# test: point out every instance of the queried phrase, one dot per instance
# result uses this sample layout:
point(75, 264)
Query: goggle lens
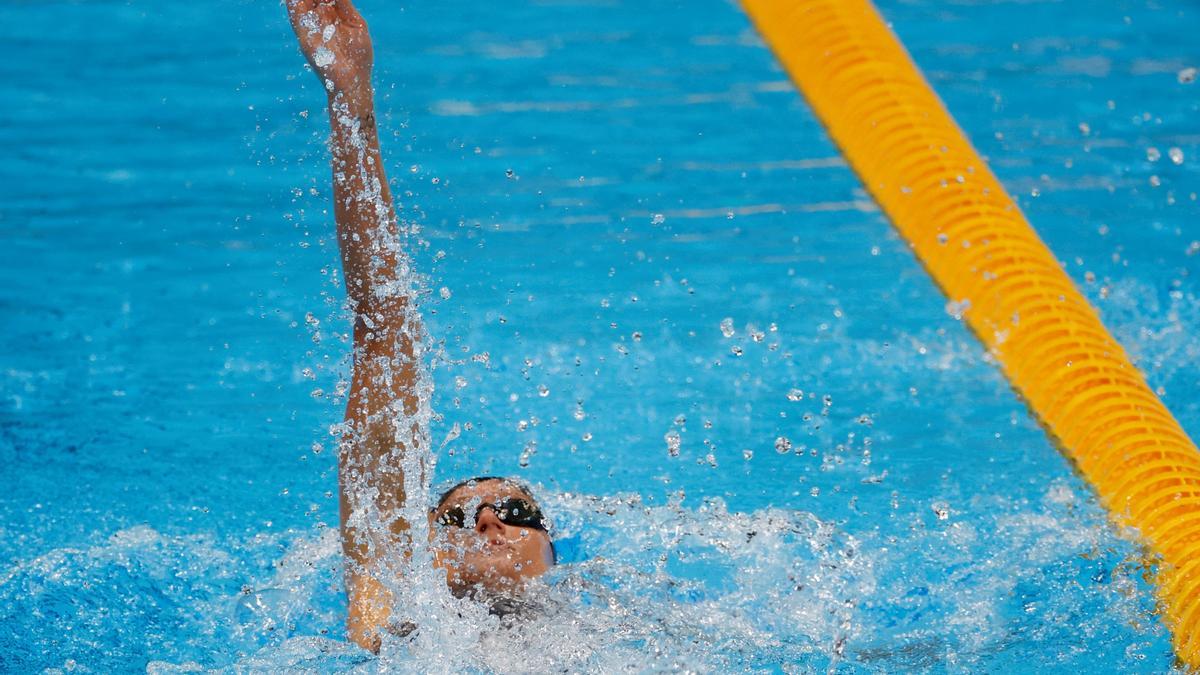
point(512, 511)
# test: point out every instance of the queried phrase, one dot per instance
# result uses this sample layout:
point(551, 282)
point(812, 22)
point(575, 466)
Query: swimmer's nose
point(487, 523)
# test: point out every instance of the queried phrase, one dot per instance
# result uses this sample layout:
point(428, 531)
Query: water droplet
point(1187, 75)
point(957, 309)
point(727, 327)
point(1152, 154)
point(317, 393)
point(747, 454)
point(587, 436)
point(1176, 155)
point(317, 448)
point(1155, 181)
point(459, 381)
point(1085, 128)
point(735, 350)
point(444, 292)
point(782, 445)
point(658, 219)
point(1035, 192)
point(543, 390)
point(322, 57)
point(876, 479)
point(680, 420)
point(1193, 248)
point(941, 510)
point(943, 238)
point(637, 336)
point(795, 395)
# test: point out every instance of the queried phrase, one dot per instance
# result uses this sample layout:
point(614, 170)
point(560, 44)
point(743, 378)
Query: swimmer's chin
point(479, 586)
point(484, 574)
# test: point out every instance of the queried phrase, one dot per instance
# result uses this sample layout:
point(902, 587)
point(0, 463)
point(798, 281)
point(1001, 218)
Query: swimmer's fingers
point(310, 19)
point(304, 20)
point(308, 16)
point(327, 14)
point(296, 10)
point(297, 7)
point(348, 13)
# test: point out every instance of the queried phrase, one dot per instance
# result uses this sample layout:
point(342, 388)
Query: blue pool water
point(642, 233)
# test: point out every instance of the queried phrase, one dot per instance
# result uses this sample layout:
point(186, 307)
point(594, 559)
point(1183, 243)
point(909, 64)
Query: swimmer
point(488, 534)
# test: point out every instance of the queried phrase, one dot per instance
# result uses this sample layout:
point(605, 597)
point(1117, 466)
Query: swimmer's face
point(485, 552)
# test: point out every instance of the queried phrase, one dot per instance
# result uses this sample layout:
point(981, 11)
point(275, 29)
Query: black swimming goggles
point(510, 510)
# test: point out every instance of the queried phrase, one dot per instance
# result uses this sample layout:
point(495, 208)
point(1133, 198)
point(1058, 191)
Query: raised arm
point(383, 402)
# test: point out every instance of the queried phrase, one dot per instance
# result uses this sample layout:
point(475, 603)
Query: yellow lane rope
point(976, 243)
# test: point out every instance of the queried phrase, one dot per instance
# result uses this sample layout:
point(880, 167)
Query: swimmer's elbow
point(379, 307)
point(381, 316)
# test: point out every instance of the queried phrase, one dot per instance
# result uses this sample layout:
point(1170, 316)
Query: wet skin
point(486, 553)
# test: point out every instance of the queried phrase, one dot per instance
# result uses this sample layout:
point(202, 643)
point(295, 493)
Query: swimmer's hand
point(334, 39)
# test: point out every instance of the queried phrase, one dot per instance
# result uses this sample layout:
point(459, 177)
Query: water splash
point(642, 587)
point(322, 57)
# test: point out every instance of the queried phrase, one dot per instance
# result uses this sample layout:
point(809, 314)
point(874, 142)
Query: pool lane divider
point(1001, 278)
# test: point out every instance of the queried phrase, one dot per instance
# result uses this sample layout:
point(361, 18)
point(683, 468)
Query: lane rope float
point(975, 242)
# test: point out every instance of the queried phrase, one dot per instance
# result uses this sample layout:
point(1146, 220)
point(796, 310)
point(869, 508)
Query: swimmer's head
point(489, 535)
